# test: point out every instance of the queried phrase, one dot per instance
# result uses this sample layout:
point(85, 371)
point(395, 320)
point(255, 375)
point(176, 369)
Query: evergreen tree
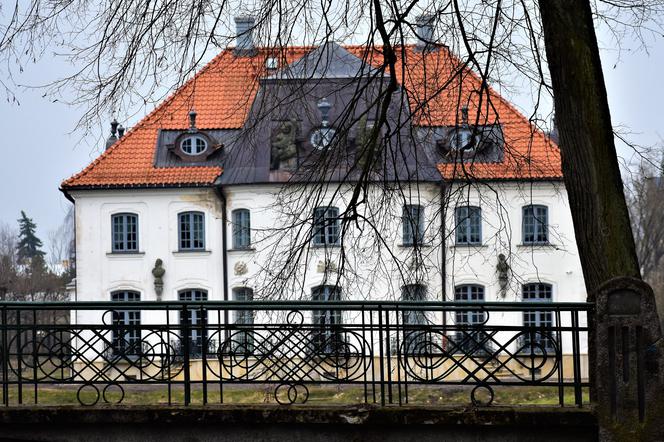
point(29, 246)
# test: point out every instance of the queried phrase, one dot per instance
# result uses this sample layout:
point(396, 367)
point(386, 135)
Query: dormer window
point(463, 141)
point(322, 138)
point(193, 145)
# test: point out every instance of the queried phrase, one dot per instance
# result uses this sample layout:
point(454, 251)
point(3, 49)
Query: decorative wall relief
point(240, 268)
point(283, 154)
point(158, 272)
point(327, 266)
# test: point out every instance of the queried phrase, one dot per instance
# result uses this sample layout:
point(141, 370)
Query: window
point(326, 336)
point(244, 319)
point(413, 225)
point(125, 232)
point(535, 224)
point(195, 320)
point(540, 337)
point(468, 225)
point(126, 336)
point(326, 226)
point(414, 320)
point(191, 231)
point(470, 338)
point(241, 229)
point(193, 145)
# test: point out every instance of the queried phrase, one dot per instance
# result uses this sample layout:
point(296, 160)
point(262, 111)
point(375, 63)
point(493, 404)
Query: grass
point(264, 394)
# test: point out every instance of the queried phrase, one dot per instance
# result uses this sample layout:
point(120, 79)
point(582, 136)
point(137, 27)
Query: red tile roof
point(436, 82)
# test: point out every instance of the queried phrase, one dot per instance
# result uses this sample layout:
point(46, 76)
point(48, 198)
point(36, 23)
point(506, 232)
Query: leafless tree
point(8, 259)
point(61, 243)
point(130, 52)
point(646, 204)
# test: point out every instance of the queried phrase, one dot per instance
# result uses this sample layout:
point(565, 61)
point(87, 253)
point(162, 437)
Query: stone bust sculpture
point(503, 269)
point(158, 273)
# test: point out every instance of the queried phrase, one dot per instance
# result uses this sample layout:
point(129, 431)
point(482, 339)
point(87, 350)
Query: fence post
point(5, 358)
point(187, 352)
point(629, 370)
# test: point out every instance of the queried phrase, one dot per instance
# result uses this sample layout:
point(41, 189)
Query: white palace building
point(262, 178)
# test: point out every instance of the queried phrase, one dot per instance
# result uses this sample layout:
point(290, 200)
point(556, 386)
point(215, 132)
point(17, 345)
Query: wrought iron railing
point(282, 350)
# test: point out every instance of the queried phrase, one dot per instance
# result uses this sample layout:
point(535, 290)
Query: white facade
point(375, 265)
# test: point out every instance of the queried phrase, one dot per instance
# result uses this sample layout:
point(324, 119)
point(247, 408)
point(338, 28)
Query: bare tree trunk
point(590, 165)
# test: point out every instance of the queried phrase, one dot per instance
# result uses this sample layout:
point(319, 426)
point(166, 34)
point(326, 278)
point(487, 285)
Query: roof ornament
point(464, 115)
point(121, 131)
point(113, 138)
point(324, 107)
point(192, 121)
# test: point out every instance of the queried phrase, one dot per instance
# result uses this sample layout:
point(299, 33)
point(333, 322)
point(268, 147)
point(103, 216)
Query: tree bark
point(590, 164)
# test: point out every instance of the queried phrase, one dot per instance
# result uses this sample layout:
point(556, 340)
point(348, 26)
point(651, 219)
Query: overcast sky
point(38, 149)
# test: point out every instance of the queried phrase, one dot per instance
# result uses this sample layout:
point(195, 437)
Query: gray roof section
point(164, 158)
point(327, 61)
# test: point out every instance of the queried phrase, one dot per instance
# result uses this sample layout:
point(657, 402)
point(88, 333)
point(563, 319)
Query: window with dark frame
point(413, 224)
point(327, 226)
point(241, 229)
point(125, 232)
point(471, 338)
point(468, 225)
point(126, 335)
point(535, 224)
point(244, 321)
point(326, 336)
point(196, 320)
point(540, 336)
point(191, 231)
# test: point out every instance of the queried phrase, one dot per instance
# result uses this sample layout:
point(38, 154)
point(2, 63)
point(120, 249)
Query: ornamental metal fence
point(384, 350)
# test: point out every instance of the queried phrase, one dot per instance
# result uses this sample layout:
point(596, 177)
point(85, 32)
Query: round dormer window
point(193, 145)
point(322, 138)
point(463, 141)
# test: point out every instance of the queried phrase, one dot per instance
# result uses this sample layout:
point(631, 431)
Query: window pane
point(195, 319)
point(126, 338)
point(535, 224)
point(413, 224)
point(241, 229)
point(468, 225)
point(541, 337)
point(327, 337)
point(125, 232)
point(191, 231)
point(326, 226)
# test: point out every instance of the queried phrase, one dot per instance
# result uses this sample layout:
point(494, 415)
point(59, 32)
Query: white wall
point(376, 270)
point(501, 203)
point(376, 262)
point(100, 272)
point(378, 265)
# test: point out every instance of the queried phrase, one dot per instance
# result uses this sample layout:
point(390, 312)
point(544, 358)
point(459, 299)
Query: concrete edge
point(278, 415)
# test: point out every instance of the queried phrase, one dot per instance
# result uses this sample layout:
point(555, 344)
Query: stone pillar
point(628, 377)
